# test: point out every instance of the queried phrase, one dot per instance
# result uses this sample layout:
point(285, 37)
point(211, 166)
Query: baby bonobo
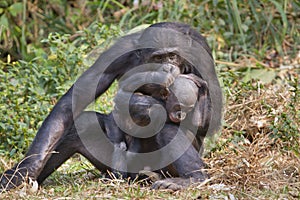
point(178, 99)
point(182, 97)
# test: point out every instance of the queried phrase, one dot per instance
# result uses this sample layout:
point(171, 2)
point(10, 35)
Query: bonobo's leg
point(188, 166)
point(94, 82)
point(140, 107)
point(71, 143)
point(66, 148)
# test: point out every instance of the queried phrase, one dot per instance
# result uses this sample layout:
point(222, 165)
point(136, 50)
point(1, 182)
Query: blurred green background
point(44, 46)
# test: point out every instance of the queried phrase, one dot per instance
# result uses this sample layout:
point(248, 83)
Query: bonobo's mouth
point(177, 117)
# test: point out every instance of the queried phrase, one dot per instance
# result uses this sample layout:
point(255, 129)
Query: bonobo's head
point(171, 56)
point(182, 98)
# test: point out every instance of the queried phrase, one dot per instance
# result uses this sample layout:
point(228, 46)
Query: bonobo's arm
point(160, 74)
point(201, 115)
point(153, 81)
point(131, 84)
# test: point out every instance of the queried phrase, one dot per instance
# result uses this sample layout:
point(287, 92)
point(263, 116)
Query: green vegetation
point(46, 45)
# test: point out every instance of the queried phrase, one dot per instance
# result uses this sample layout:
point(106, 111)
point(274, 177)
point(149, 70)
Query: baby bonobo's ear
point(196, 79)
point(164, 93)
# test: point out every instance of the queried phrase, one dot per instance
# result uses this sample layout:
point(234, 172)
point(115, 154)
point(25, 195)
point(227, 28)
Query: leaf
point(4, 21)
point(138, 28)
point(283, 16)
point(237, 17)
point(15, 9)
point(264, 75)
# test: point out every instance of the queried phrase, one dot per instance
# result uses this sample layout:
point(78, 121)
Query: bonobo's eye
point(176, 107)
point(186, 108)
point(172, 56)
point(157, 58)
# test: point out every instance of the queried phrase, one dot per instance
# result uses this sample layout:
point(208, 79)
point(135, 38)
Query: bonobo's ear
point(164, 93)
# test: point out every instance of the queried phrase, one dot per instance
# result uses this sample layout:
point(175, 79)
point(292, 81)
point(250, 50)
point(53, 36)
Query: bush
point(28, 90)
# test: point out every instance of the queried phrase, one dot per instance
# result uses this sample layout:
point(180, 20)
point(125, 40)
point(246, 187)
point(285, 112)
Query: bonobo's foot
point(170, 183)
point(173, 183)
point(179, 183)
point(12, 178)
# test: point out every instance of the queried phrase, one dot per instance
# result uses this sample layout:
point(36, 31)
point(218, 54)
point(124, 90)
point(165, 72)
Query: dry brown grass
point(249, 159)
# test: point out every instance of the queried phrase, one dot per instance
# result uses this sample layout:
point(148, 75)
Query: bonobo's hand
point(141, 71)
point(172, 69)
point(172, 72)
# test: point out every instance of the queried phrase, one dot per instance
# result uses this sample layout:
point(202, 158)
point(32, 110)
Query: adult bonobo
point(161, 43)
point(124, 156)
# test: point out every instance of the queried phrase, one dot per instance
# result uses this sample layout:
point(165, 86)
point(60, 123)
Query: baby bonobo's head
point(182, 97)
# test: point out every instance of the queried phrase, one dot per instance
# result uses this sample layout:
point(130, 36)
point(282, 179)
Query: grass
point(256, 47)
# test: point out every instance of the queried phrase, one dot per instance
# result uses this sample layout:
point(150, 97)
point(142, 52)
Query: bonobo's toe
point(33, 185)
point(12, 178)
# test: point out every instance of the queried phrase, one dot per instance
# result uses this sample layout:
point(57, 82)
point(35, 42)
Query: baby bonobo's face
point(182, 98)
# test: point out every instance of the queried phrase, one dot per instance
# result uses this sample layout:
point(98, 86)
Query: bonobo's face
point(177, 112)
point(182, 98)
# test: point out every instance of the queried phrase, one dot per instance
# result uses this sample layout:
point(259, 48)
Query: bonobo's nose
point(180, 115)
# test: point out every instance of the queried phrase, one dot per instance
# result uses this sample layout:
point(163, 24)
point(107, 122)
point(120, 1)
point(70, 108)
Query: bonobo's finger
point(169, 80)
point(150, 174)
point(137, 80)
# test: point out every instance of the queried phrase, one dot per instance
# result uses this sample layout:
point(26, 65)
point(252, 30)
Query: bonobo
point(162, 44)
point(183, 96)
